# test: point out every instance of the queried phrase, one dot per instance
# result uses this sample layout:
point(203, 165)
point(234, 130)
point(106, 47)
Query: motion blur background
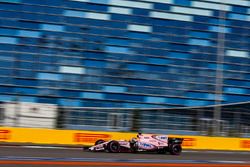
point(156, 66)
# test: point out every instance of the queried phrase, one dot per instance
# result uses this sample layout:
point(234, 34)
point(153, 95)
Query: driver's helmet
point(139, 135)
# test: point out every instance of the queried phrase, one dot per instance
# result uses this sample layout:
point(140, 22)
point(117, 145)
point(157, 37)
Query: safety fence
point(234, 120)
point(88, 138)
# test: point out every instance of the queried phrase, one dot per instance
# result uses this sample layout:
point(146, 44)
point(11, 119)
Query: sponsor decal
point(89, 137)
point(159, 138)
point(163, 137)
point(146, 146)
point(5, 134)
point(189, 142)
point(245, 143)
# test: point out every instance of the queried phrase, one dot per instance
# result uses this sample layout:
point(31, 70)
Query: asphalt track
point(48, 157)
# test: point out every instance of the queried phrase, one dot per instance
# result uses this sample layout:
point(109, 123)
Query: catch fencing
point(167, 121)
point(234, 122)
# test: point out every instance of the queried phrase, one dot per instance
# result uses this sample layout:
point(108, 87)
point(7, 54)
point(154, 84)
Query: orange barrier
point(216, 143)
point(78, 137)
point(52, 136)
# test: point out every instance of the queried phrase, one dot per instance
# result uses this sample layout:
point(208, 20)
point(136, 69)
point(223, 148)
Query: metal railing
point(235, 120)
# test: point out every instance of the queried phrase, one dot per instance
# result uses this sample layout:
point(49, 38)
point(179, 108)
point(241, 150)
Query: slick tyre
point(113, 147)
point(175, 149)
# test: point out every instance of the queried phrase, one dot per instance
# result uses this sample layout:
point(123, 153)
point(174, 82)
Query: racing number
point(4, 134)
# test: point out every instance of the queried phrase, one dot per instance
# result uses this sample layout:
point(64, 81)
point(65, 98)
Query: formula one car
point(143, 143)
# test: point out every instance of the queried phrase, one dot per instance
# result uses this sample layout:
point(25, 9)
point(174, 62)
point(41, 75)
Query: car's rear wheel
point(175, 149)
point(99, 142)
point(113, 146)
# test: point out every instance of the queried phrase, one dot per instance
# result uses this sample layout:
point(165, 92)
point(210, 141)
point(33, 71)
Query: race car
point(143, 143)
